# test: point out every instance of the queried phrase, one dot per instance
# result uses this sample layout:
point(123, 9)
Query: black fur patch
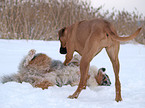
point(103, 69)
point(63, 50)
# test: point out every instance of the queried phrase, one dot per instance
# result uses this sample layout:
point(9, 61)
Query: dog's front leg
point(68, 57)
point(84, 67)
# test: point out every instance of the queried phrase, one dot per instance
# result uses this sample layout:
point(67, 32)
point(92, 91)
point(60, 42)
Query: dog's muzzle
point(106, 80)
point(63, 50)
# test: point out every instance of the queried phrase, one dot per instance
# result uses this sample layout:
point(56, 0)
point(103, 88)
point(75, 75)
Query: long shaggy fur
point(41, 71)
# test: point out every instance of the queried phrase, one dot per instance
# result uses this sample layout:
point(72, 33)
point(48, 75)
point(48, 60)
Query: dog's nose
point(63, 50)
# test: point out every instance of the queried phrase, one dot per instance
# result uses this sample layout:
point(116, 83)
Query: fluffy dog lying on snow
point(41, 71)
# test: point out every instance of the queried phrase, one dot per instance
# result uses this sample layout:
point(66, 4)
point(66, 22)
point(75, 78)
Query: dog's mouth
point(63, 50)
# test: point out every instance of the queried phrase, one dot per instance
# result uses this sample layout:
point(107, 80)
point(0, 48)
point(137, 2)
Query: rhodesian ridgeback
point(88, 38)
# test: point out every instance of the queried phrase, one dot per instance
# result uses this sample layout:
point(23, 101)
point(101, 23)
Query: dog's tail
point(115, 36)
point(11, 78)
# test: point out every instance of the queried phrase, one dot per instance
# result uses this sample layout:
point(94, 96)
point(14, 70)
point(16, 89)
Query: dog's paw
point(118, 99)
point(29, 57)
point(72, 97)
point(32, 52)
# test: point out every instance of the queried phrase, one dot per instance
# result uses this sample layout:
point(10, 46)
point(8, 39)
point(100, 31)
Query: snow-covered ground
point(16, 95)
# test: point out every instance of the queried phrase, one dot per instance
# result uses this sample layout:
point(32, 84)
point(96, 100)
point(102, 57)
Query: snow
point(16, 95)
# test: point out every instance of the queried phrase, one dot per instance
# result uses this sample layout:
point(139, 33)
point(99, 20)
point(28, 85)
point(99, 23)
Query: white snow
point(16, 95)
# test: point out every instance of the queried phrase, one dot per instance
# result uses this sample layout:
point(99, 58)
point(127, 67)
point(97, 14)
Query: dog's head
point(102, 78)
point(63, 38)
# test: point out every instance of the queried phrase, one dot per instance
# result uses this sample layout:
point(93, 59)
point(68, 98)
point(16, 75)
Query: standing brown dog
point(88, 38)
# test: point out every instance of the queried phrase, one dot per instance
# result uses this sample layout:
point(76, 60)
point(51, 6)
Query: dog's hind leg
point(112, 52)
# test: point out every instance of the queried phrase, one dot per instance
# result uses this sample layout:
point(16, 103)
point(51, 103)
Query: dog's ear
point(61, 32)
